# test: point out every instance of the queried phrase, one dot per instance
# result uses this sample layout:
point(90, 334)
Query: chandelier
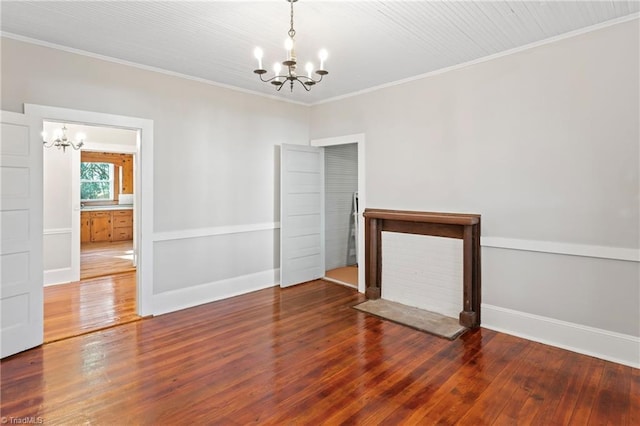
point(290, 64)
point(61, 141)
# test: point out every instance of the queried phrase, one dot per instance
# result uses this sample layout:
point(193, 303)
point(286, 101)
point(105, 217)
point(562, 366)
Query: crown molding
point(143, 67)
point(498, 55)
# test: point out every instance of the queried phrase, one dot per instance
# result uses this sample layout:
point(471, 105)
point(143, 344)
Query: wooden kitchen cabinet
point(85, 227)
point(106, 225)
point(100, 226)
point(122, 225)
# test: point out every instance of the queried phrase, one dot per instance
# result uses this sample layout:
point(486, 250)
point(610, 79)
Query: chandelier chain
point(292, 32)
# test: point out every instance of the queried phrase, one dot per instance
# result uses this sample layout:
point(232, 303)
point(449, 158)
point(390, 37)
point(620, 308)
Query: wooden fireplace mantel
point(449, 225)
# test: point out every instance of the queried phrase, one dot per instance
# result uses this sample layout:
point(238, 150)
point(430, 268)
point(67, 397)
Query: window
point(96, 181)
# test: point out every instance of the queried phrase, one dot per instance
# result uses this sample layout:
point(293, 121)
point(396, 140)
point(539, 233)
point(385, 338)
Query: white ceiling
point(370, 43)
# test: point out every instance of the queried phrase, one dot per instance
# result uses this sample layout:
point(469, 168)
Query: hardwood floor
point(105, 258)
point(346, 275)
point(104, 297)
point(89, 305)
point(302, 355)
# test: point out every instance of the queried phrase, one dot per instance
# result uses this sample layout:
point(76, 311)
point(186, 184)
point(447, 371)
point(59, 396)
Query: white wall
point(544, 144)
point(57, 209)
point(56, 239)
point(215, 162)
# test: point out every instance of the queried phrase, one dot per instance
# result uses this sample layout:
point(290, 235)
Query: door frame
point(359, 139)
point(143, 184)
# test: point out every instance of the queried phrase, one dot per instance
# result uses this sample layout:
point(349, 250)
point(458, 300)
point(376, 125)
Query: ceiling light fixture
point(61, 141)
point(290, 64)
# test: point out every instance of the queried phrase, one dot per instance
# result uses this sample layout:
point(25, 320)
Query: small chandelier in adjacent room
point(290, 64)
point(60, 140)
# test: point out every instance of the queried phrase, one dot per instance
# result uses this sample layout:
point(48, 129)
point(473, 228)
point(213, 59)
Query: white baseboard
point(603, 344)
point(193, 296)
point(57, 276)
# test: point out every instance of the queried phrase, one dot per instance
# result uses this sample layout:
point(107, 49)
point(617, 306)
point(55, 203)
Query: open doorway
point(143, 183)
point(302, 211)
point(341, 213)
point(349, 174)
point(99, 290)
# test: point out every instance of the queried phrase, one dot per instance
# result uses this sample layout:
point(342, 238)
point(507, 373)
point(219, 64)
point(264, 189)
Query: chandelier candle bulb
point(309, 68)
point(323, 57)
point(276, 69)
point(288, 45)
point(258, 54)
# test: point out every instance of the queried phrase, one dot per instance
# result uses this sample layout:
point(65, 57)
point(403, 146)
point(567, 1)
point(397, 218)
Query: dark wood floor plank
point(333, 389)
point(390, 375)
point(287, 378)
point(572, 375)
point(426, 392)
point(490, 403)
point(613, 401)
point(587, 392)
point(634, 412)
point(546, 384)
point(302, 355)
point(462, 390)
point(530, 384)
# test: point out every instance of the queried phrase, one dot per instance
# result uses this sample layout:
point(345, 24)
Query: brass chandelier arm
point(279, 80)
point(292, 79)
point(63, 144)
point(307, 80)
point(62, 141)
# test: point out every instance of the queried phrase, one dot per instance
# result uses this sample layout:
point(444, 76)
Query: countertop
point(109, 207)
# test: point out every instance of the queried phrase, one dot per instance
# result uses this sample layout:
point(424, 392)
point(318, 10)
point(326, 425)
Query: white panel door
point(21, 286)
point(301, 214)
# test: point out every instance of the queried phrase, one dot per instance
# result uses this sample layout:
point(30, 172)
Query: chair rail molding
point(571, 249)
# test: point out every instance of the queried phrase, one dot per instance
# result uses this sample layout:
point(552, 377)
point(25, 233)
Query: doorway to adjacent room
point(341, 214)
point(101, 287)
point(304, 247)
